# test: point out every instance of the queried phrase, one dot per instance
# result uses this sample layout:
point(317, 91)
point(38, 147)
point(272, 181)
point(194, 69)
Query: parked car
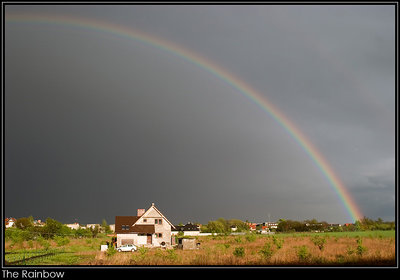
point(127, 248)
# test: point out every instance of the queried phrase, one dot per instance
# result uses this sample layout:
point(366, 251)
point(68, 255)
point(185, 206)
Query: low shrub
point(360, 248)
point(303, 253)
point(251, 237)
point(239, 252)
point(319, 241)
point(111, 251)
point(267, 251)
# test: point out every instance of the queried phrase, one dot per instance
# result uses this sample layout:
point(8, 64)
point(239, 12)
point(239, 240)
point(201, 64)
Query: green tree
point(94, 231)
point(24, 223)
point(81, 232)
point(218, 226)
point(240, 225)
point(105, 227)
point(52, 228)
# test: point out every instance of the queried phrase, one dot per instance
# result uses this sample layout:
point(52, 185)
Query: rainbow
point(257, 98)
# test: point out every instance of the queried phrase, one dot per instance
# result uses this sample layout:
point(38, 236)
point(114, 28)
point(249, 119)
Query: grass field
point(370, 248)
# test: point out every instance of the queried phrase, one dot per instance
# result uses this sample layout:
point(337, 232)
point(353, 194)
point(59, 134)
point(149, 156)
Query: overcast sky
point(98, 125)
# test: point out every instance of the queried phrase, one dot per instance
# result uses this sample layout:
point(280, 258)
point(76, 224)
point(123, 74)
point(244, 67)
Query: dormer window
point(125, 227)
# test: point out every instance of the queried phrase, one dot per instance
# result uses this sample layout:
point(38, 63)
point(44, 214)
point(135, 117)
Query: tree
point(52, 228)
point(24, 223)
point(240, 225)
point(94, 230)
point(218, 226)
point(105, 227)
point(81, 232)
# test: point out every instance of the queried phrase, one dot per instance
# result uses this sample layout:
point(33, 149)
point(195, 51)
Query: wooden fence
point(27, 257)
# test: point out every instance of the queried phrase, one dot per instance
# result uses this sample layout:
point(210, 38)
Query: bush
point(143, 250)
point(360, 248)
point(111, 251)
point(251, 237)
point(303, 253)
point(238, 239)
point(278, 242)
point(61, 241)
point(319, 241)
point(171, 255)
point(239, 252)
point(267, 251)
point(43, 242)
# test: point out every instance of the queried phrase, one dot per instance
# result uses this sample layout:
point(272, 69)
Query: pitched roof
point(124, 220)
point(143, 229)
point(187, 227)
point(159, 212)
point(130, 221)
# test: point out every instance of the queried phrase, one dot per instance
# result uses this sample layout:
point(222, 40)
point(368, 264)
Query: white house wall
point(141, 240)
point(124, 236)
point(165, 228)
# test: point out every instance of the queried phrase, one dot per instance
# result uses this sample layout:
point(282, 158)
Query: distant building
point(93, 226)
point(38, 223)
point(187, 243)
point(73, 226)
point(272, 225)
point(252, 226)
point(112, 227)
point(9, 222)
point(189, 230)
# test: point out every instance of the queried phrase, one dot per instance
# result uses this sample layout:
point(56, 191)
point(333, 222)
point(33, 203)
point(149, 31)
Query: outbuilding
point(187, 243)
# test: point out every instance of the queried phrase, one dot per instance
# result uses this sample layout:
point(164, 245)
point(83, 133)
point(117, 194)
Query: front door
point(148, 238)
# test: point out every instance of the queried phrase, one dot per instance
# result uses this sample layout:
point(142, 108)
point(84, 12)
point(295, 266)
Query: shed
point(186, 243)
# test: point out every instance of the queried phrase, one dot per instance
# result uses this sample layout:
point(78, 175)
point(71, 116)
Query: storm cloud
point(97, 125)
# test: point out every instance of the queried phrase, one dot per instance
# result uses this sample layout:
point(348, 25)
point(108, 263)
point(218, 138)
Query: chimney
point(140, 212)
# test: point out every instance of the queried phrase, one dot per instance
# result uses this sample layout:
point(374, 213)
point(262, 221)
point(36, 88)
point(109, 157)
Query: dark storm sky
point(97, 125)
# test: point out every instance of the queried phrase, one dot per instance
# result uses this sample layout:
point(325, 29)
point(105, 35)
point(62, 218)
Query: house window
point(144, 220)
point(159, 235)
point(158, 221)
point(125, 227)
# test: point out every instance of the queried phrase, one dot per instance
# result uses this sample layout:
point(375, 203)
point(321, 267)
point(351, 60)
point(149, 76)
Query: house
point(264, 230)
point(272, 225)
point(252, 226)
point(188, 230)
point(93, 226)
point(9, 222)
point(112, 228)
point(38, 223)
point(148, 228)
point(73, 226)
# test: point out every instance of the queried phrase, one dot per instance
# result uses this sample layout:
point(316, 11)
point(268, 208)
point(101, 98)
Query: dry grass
point(293, 251)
